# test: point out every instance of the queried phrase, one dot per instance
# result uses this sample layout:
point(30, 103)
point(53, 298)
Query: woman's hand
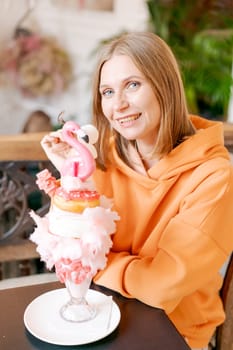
point(56, 149)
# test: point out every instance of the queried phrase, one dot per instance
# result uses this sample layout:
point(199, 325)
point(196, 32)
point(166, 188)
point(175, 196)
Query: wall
point(80, 32)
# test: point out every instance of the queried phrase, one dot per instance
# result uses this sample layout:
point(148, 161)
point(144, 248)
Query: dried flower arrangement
point(36, 65)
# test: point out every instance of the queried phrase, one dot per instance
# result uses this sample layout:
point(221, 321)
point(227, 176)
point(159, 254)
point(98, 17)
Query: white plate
point(43, 320)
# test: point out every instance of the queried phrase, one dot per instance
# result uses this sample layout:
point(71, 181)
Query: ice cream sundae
point(75, 235)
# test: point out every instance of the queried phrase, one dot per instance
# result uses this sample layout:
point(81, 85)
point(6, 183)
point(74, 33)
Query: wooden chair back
point(228, 135)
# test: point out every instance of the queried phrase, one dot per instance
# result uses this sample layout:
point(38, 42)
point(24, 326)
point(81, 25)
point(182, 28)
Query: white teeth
point(128, 119)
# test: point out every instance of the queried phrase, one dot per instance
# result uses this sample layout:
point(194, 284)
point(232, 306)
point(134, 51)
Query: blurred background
point(48, 50)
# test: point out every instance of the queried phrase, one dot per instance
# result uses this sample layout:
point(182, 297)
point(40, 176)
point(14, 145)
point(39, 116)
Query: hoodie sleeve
point(193, 247)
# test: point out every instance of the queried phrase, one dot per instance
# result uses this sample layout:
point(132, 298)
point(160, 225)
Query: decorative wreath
point(36, 65)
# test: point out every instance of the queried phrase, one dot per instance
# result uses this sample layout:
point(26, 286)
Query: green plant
point(200, 33)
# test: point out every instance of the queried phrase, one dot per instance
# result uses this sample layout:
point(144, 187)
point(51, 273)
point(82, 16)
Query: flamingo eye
point(85, 138)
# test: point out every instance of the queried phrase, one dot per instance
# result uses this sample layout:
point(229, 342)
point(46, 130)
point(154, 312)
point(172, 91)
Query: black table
point(141, 327)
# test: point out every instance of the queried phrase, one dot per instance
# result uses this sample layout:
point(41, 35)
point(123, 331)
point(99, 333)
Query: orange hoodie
point(175, 231)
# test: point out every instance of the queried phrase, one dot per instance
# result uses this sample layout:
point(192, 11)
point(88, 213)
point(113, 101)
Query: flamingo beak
point(92, 132)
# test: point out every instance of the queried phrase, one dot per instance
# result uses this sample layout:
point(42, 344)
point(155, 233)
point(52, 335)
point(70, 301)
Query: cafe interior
point(68, 34)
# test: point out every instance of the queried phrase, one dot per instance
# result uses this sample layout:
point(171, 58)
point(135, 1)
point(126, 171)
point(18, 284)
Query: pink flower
point(37, 65)
point(47, 182)
point(67, 269)
point(29, 43)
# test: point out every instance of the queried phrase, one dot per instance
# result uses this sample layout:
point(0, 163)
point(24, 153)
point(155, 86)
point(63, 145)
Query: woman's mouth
point(128, 119)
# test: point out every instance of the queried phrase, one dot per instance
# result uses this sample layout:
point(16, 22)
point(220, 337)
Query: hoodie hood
point(207, 143)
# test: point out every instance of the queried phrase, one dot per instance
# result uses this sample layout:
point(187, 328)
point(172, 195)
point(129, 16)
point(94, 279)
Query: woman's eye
point(133, 85)
point(107, 92)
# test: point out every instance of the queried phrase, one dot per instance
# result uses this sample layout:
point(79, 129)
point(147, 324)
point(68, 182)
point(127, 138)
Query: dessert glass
point(77, 309)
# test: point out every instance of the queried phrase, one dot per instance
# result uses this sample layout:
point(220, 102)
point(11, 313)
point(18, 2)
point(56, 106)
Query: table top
point(140, 327)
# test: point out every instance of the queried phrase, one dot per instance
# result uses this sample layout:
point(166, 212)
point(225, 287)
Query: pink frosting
point(67, 269)
point(46, 182)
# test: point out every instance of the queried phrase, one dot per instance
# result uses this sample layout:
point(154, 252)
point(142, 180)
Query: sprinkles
point(78, 194)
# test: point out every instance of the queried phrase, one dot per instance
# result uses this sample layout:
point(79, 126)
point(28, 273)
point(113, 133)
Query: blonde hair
point(155, 60)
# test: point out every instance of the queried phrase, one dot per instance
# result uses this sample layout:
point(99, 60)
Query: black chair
point(21, 157)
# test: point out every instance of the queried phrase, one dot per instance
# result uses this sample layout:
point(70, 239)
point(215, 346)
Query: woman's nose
point(120, 102)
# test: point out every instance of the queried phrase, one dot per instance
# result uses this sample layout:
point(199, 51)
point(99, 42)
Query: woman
point(172, 184)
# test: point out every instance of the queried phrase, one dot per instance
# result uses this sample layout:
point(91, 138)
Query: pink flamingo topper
point(82, 163)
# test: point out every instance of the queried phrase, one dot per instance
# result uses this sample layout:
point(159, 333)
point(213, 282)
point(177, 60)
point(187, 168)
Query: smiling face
point(128, 101)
